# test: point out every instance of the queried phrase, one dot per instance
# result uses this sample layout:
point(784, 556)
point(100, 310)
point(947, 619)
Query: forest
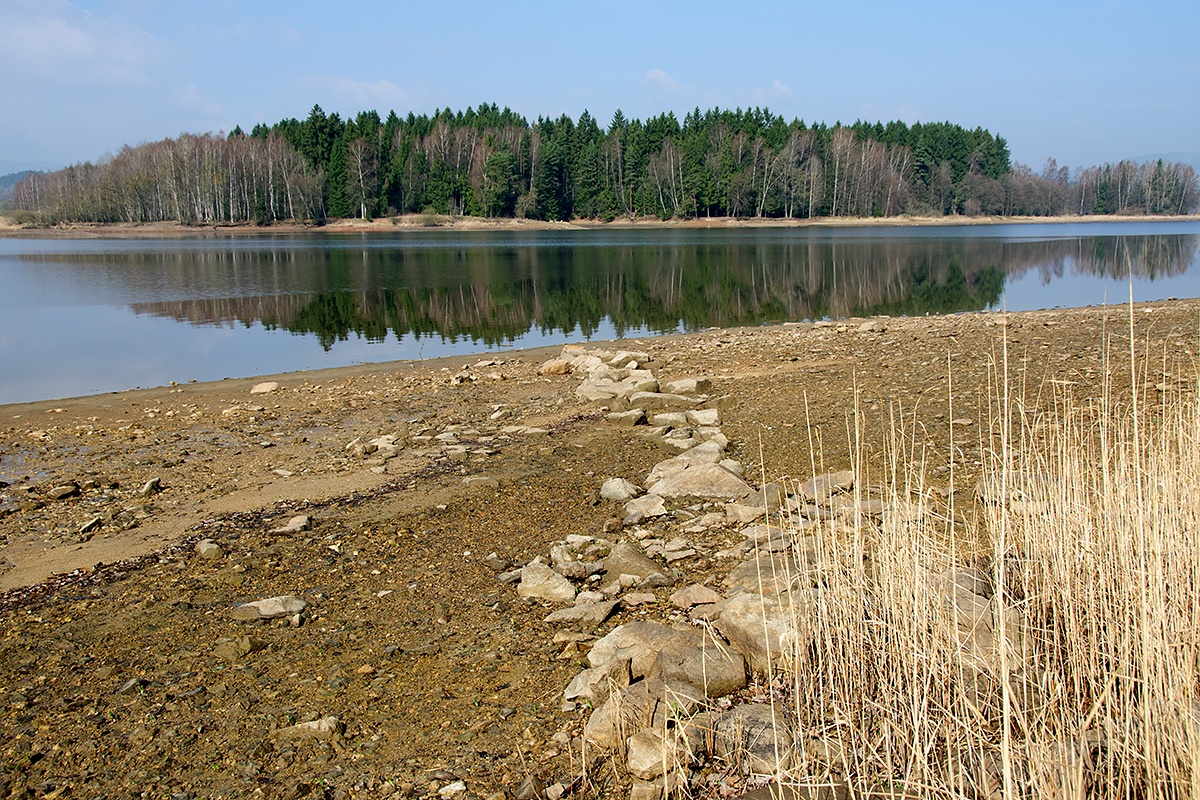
point(491, 162)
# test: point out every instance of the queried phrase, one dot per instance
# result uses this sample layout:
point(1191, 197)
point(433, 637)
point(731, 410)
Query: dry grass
point(1067, 663)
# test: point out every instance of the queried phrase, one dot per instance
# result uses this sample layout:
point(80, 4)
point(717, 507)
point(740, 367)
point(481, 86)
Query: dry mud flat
point(411, 669)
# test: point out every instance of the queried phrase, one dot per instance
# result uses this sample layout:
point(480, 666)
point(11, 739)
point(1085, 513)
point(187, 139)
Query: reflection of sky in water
point(125, 350)
point(1030, 292)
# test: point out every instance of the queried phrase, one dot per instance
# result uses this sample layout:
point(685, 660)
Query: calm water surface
point(86, 316)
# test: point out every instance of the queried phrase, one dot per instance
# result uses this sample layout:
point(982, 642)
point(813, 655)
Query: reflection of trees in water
point(495, 294)
point(1148, 257)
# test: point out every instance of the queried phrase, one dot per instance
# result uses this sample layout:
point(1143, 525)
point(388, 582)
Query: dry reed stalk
point(1078, 676)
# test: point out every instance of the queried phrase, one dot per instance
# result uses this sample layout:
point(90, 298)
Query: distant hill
point(7, 182)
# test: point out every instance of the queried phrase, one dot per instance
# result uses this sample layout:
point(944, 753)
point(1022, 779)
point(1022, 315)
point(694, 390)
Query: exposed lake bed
point(437, 671)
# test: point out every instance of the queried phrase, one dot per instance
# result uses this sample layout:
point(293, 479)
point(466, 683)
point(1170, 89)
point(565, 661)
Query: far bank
point(10, 226)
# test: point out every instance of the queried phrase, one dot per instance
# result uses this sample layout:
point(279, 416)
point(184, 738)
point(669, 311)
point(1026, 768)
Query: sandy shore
point(8, 227)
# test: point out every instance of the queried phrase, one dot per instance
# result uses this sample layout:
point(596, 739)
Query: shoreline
point(37, 420)
point(410, 222)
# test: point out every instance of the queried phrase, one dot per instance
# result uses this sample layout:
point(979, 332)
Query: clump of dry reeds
point(1059, 659)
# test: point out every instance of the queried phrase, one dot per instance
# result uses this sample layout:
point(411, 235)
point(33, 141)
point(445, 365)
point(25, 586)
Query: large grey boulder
point(716, 671)
point(640, 642)
point(767, 630)
point(704, 481)
point(628, 709)
point(628, 559)
point(595, 684)
point(619, 490)
point(757, 737)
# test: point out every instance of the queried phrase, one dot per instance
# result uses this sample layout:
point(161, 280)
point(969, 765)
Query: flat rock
point(64, 491)
point(743, 513)
point(595, 684)
point(555, 366)
point(715, 671)
point(759, 534)
point(688, 386)
point(628, 559)
point(771, 575)
point(287, 605)
point(619, 490)
point(543, 583)
point(266, 387)
point(667, 468)
point(758, 736)
point(640, 642)
point(769, 497)
point(762, 627)
point(296, 524)
point(645, 507)
point(703, 481)
point(709, 452)
point(663, 400)
point(694, 595)
point(325, 729)
point(820, 488)
point(703, 417)
point(629, 418)
point(587, 614)
point(482, 480)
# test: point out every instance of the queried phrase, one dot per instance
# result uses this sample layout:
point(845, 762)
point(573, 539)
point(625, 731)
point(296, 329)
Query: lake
point(83, 316)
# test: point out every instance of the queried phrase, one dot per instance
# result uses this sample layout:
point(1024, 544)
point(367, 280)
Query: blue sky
point(1083, 82)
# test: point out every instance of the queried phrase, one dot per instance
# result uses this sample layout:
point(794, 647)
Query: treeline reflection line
point(497, 295)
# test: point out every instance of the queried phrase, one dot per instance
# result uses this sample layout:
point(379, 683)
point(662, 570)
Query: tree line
point(492, 162)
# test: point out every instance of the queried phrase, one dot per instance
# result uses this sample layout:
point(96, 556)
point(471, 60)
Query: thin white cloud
point(381, 95)
point(666, 81)
point(53, 43)
point(690, 93)
point(192, 99)
point(777, 91)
